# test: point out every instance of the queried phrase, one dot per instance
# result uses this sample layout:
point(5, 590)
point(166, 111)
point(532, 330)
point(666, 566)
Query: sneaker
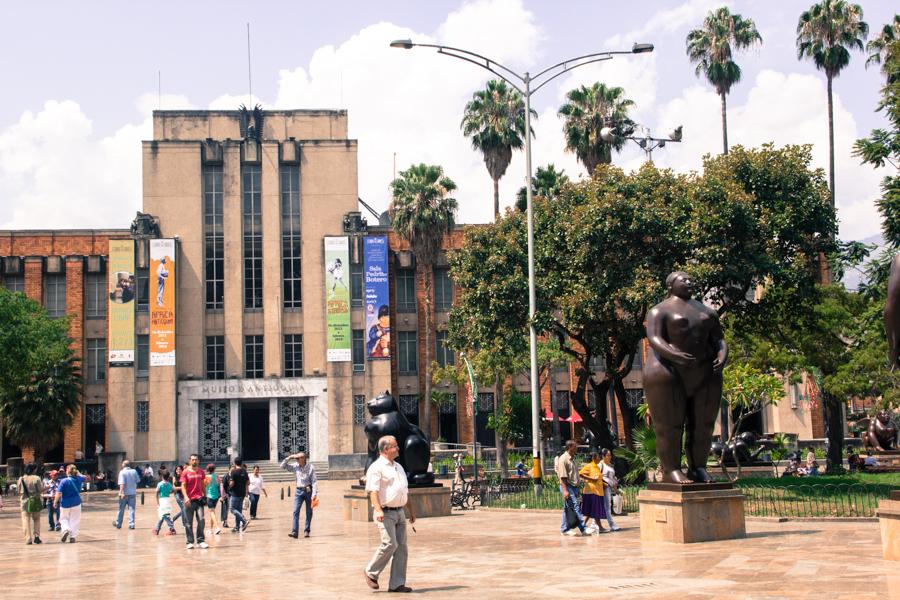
point(204, 545)
point(189, 546)
point(59, 527)
point(235, 529)
point(246, 524)
point(28, 542)
point(64, 537)
point(155, 531)
point(615, 528)
point(131, 527)
point(71, 540)
point(293, 534)
point(306, 534)
point(573, 531)
point(37, 540)
point(116, 525)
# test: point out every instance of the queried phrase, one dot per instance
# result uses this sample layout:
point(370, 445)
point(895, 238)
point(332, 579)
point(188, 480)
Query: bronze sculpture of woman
point(683, 379)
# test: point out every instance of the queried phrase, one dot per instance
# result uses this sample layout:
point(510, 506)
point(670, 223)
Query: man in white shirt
point(389, 493)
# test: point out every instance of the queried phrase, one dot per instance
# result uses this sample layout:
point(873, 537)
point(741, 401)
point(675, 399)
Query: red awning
point(575, 418)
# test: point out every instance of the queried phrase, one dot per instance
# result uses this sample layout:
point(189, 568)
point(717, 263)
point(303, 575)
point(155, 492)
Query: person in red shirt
point(193, 482)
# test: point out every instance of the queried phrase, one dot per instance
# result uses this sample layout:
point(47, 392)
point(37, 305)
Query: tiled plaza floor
point(480, 554)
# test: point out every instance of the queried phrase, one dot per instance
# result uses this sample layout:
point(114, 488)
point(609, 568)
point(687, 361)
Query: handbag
point(572, 519)
point(33, 504)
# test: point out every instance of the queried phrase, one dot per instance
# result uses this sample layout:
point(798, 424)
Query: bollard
point(289, 492)
point(282, 493)
point(142, 498)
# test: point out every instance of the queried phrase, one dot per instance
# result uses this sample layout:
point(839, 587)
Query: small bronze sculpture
point(880, 433)
point(415, 451)
point(745, 448)
point(892, 314)
point(683, 379)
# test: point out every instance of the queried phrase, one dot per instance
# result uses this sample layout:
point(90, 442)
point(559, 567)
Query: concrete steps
point(273, 473)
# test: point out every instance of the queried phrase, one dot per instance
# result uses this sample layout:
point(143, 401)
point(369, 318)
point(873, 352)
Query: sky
point(82, 80)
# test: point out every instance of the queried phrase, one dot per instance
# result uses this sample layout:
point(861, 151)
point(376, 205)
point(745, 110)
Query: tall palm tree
point(826, 33)
point(586, 112)
point(712, 47)
point(547, 182)
point(495, 120)
point(882, 48)
point(421, 212)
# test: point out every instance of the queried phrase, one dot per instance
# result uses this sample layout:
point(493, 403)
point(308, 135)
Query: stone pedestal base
point(691, 513)
point(890, 458)
point(431, 501)
point(888, 514)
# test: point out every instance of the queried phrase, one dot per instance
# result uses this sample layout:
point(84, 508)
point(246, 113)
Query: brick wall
point(72, 438)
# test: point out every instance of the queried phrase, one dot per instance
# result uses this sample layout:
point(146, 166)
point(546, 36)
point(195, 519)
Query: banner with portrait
point(337, 299)
point(122, 290)
point(162, 303)
point(378, 314)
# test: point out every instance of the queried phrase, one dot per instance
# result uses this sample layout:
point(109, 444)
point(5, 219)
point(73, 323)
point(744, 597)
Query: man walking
point(68, 498)
point(30, 488)
point(50, 487)
point(568, 486)
point(128, 482)
point(389, 493)
point(193, 480)
point(239, 482)
point(307, 490)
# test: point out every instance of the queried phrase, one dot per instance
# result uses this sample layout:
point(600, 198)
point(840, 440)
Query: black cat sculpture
point(415, 451)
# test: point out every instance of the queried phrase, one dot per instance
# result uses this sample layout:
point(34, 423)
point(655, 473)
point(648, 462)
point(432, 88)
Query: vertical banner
point(337, 299)
point(162, 305)
point(121, 303)
point(378, 314)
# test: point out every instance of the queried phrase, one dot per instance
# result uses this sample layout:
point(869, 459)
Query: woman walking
point(213, 494)
point(611, 484)
point(257, 487)
point(179, 497)
point(592, 502)
point(30, 489)
point(68, 498)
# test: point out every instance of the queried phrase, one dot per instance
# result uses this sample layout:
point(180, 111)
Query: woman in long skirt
point(592, 505)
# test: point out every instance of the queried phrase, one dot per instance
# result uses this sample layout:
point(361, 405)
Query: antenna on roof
point(159, 90)
point(249, 78)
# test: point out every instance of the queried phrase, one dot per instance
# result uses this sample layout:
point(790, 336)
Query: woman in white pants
point(611, 484)
point(68, 497)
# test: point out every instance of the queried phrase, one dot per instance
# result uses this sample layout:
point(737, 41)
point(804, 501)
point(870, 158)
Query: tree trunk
point(496, 199)
point(627, 412)
point(554, 438)
point(831, 139)
point(426, 278)
point(596, 423)
point(834, 430)
point(500, 441)
point(724, 123)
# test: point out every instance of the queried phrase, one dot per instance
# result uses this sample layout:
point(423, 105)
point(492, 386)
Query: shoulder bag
point(33, 504)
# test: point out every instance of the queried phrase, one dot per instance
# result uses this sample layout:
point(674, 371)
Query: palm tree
point(883, 47)
point(826, 33)
point(422, 212)
point(586, 112)
point(547, 182)
point(712, 47)
point(495, 120)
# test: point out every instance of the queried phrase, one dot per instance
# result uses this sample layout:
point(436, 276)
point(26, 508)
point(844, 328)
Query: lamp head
point(405, 44)
point(608, 134)
point(676, 134)
point(641, 48)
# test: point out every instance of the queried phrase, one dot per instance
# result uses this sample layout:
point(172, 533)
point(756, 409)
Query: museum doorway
point(255, 430)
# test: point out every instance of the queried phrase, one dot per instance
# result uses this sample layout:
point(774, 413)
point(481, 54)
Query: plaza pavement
point(476, 554)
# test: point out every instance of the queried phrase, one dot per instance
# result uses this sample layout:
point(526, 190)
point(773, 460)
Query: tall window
point(143, 289)
point(443, 290)
point(293, 355)
point(359, 410)
point(95, 361)
point(356, 284)
point(406, 290)
point(253, 356)
point(290, 234)
point(442, 353)
point(213, 237)
point(251, 185)
point(634, 397)
point(142, 416)
point(358, 350)
point(215, 357)
point(14, 283)
point(143, 355)
point(406, 351)
point(55, 294)
point(409, 406)
point(95, 296)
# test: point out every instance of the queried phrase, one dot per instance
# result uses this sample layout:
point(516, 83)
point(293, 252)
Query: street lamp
point(647, 142)
point(523, 84)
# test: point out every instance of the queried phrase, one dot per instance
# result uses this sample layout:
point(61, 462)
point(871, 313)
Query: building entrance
point(255, 430)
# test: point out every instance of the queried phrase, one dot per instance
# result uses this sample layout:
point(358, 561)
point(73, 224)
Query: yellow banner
point(162, 303)
point(122, 290)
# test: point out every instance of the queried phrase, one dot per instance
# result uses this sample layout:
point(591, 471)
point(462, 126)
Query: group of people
point(595, 482)
point(62, 498)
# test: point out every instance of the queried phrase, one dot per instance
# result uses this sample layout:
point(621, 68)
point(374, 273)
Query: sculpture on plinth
point(415, 450)
point(880, 433)
point(683, 379)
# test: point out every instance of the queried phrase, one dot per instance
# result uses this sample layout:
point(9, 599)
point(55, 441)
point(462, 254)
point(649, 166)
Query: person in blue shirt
point(128, 482)
point(68, 499)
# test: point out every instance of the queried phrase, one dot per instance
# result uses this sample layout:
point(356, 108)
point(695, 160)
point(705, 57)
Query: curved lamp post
point(527, 84)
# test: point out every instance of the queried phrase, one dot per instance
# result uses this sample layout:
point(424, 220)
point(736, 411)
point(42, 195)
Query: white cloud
point(667, 21)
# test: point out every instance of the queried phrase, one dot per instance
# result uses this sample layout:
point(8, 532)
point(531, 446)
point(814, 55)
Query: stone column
point(274, 430)
point(234, 414)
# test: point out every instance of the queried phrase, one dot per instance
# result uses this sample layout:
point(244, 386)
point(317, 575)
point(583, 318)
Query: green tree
point(585, 113)
point(884, 47)
point(547, 182)
point(40, 385)
point(421, 213)
point(826, 33)
point(495, 120)
point(712, 49)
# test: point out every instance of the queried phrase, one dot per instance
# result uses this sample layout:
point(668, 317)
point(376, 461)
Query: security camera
point(676, 134)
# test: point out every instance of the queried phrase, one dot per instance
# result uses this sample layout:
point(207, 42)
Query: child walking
point(164, 491)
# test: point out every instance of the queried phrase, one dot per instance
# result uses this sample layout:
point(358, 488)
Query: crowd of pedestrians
point(598, 478)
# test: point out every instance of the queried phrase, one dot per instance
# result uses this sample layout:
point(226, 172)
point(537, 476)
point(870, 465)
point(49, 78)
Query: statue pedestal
point(889, 458)
point(685, 514)
point(427, 501)
point(888, 514)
